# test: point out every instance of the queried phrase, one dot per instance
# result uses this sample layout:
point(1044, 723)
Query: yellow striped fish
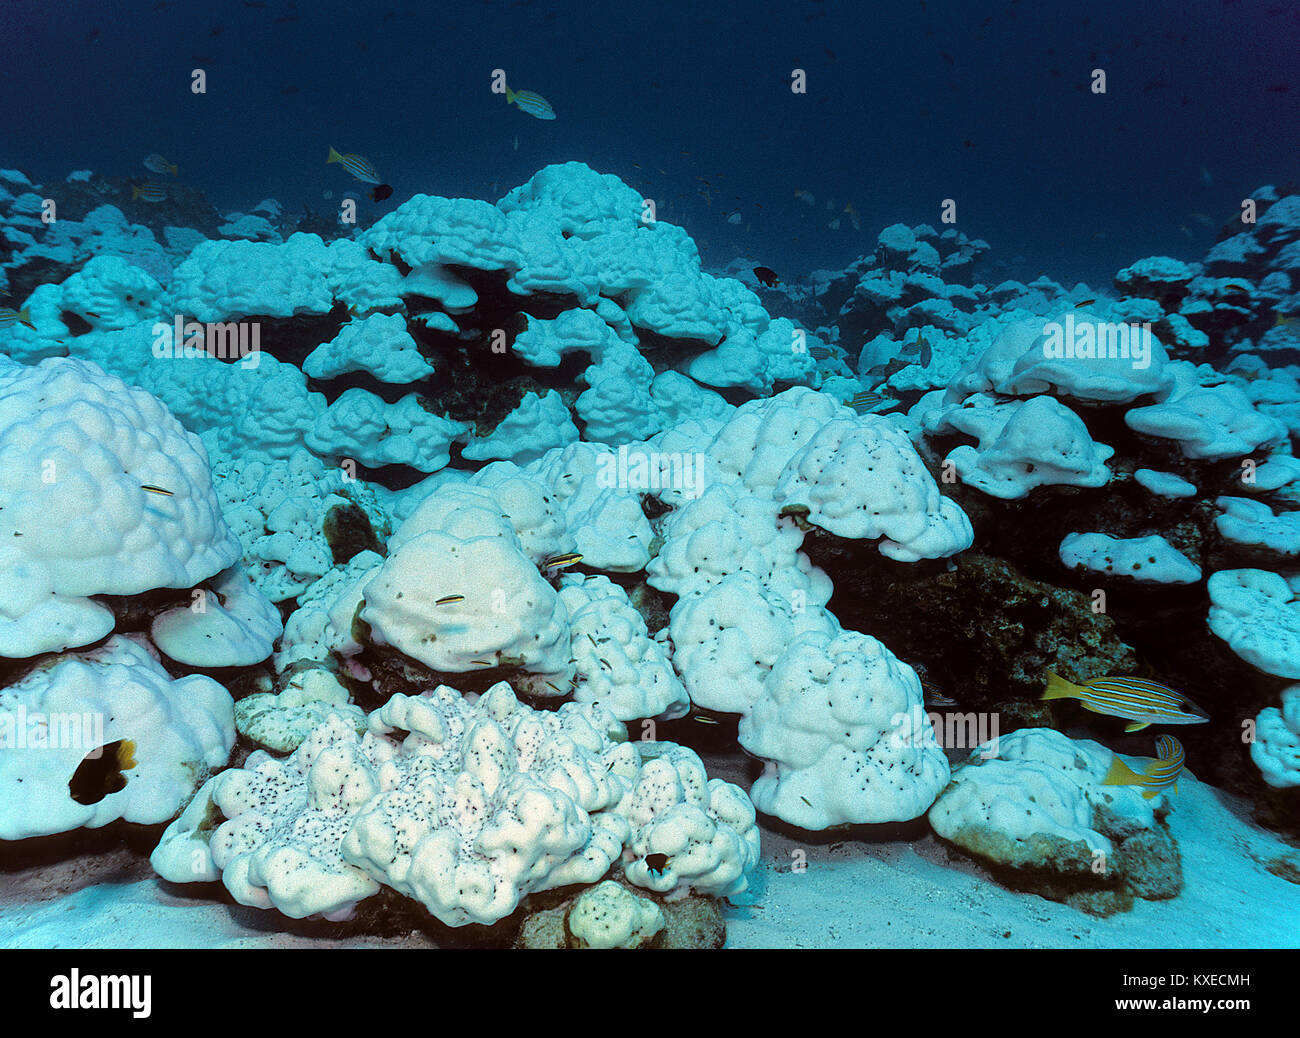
point(450, 600)
point(571, 558)
point(864, 401)
point(1140, 701)
point(534, 104)
point(148, 192)
point(359, 166)
point(1159, 775)
point(10, 317)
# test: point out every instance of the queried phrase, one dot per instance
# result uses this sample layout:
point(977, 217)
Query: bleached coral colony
point(414, 597)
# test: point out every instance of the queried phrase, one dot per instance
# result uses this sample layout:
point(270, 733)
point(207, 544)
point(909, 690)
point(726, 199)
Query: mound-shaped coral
point(104, 494)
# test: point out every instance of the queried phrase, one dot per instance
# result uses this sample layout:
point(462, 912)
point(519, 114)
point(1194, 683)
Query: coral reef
point(507, 497)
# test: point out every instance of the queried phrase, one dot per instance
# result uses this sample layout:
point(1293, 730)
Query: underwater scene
point(520, 475)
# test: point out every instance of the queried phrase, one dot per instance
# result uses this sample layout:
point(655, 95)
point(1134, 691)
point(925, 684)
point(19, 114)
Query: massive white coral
point(841, 725)
point(1079, 355)
point(761, 437)
point(1041, 443)
point(861, 478)
point(73, 704)
point(703, 830)
point(616, 661)
point(1208, 423)
point(1276, 749)
point(539, 423)
point(1254, 525)
point(79, 453)
point(360, 426)
point(279, 510)
point(464, 804)
point(728, 635)
point(378, 344)
point(503, 612)
point(228, 623)
point(1258, 614)
point(1146, 559)
point(726, 531)
point(601, 506)
point(237, 279)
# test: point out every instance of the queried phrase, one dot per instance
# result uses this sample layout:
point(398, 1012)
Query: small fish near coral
point(102, 772)
point(919, 348)
point(767, 276)
point(1138, 700)
point(864, 401)
point(1161, 774)
point(148, 193)
point(656, 863)
point(9, 317)
point(889, 368)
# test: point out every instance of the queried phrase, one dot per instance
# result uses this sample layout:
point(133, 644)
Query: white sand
point(914, 896)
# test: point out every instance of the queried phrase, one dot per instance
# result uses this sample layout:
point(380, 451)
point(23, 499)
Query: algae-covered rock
point(544, 930)
point(984, 631)
point(348, 532)
point(693, 922)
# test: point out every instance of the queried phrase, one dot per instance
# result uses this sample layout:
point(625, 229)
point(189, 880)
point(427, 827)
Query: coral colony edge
point(501, 572)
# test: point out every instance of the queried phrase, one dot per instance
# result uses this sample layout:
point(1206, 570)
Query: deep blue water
point(907, 103)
